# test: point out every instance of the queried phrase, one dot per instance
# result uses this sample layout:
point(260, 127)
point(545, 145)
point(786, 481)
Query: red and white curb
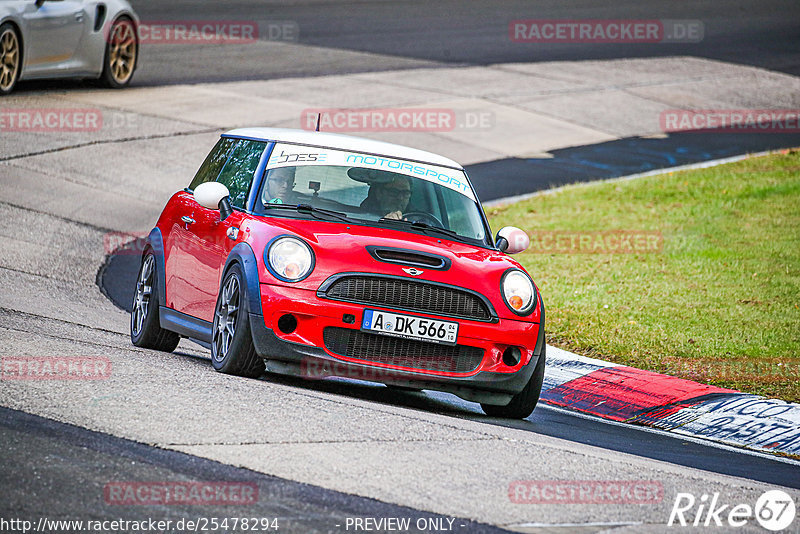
point(631, 395)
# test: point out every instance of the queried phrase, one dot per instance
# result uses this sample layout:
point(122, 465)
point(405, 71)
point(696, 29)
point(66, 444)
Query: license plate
point(409, 327)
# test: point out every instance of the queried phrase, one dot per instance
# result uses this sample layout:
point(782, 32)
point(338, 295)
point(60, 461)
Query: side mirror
point(214, 196)
point(512, 240)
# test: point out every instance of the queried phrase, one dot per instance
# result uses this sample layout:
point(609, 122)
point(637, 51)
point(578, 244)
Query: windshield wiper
point(425, 227)
point(307, 209)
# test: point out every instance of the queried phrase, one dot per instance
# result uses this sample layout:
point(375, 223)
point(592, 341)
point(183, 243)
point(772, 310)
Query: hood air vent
point(415, 258)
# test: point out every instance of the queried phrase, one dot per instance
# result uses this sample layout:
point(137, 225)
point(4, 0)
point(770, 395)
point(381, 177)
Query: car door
point(201, 245)
point(54, 31)
point(179, 231)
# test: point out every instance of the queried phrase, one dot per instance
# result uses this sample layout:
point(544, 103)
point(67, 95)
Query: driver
point(389, 198)
point(280, 183)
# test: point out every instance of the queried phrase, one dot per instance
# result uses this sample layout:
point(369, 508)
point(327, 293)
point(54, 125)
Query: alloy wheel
point(225, 318)
point(122, 51)
point(144, 291)
point(9, 59)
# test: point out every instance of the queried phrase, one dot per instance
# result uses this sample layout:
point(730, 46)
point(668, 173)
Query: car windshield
point(376, 197)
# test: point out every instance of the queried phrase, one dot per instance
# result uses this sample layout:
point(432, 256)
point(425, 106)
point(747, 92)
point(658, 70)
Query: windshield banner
point(285, 155)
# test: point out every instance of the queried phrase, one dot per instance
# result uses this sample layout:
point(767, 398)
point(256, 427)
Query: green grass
point(719, 303)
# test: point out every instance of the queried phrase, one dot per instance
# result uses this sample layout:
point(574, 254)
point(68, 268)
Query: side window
point(238, 172)
point(210, 168)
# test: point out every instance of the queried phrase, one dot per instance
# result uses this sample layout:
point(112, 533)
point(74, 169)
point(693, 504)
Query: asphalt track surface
point(416, 33)
point(341, 37)
point(366, 36)
point(499, 179)
point(60, 470)
point(56, 463)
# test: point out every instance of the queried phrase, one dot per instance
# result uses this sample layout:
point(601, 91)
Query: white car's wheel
point(122, 52)
point(10, 58)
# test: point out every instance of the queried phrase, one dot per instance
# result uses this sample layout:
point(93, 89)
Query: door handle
point(79, 17)
point(187, 219)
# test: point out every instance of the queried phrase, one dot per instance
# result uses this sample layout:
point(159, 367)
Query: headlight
point(289, 259)
point(518, 292)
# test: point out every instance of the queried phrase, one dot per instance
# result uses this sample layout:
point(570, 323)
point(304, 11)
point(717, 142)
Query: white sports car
point(67, 39)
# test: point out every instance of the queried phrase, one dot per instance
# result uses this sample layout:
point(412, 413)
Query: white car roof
point(343, 142)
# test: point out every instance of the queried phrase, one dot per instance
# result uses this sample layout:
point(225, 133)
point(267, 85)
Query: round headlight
point(290, 259)
point(519, 292)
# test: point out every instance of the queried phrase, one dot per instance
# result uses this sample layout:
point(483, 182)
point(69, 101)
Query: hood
point(341, 248)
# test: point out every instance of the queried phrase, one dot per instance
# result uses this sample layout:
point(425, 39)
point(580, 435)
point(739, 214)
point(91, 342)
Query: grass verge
point(708, 288)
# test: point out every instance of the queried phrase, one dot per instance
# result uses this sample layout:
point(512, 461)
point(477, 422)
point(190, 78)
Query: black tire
point(523, 403)
point(232, 349)
point(121, 55)
point(146, 331)
point(10, 57)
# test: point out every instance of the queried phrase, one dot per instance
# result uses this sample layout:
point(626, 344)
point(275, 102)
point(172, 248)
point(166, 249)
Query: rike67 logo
point(774, 511)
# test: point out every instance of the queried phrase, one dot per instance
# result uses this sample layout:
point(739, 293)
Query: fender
point(156, 242)
point(539, 347)
point(243, 254)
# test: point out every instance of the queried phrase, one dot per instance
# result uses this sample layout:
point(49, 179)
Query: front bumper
point(303, 352)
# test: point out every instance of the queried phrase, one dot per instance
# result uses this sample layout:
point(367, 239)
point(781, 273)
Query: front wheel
point(122, 52)
point(523, 403)
point(232, 349)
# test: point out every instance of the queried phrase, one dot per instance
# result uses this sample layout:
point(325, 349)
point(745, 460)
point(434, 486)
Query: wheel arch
point(125, 14)
point(155, 242)
point(540, 337)
point(242, 254)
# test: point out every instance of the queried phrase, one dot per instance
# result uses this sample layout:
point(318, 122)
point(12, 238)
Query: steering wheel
point(421, 216)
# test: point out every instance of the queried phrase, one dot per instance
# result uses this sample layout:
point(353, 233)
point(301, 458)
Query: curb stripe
point(620, 393)
point(635, 396)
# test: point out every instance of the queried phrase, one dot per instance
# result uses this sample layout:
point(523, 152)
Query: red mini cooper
point(316, 254)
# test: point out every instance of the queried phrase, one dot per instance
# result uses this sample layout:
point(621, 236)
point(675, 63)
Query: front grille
point(402, 352)
point(405, 294)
